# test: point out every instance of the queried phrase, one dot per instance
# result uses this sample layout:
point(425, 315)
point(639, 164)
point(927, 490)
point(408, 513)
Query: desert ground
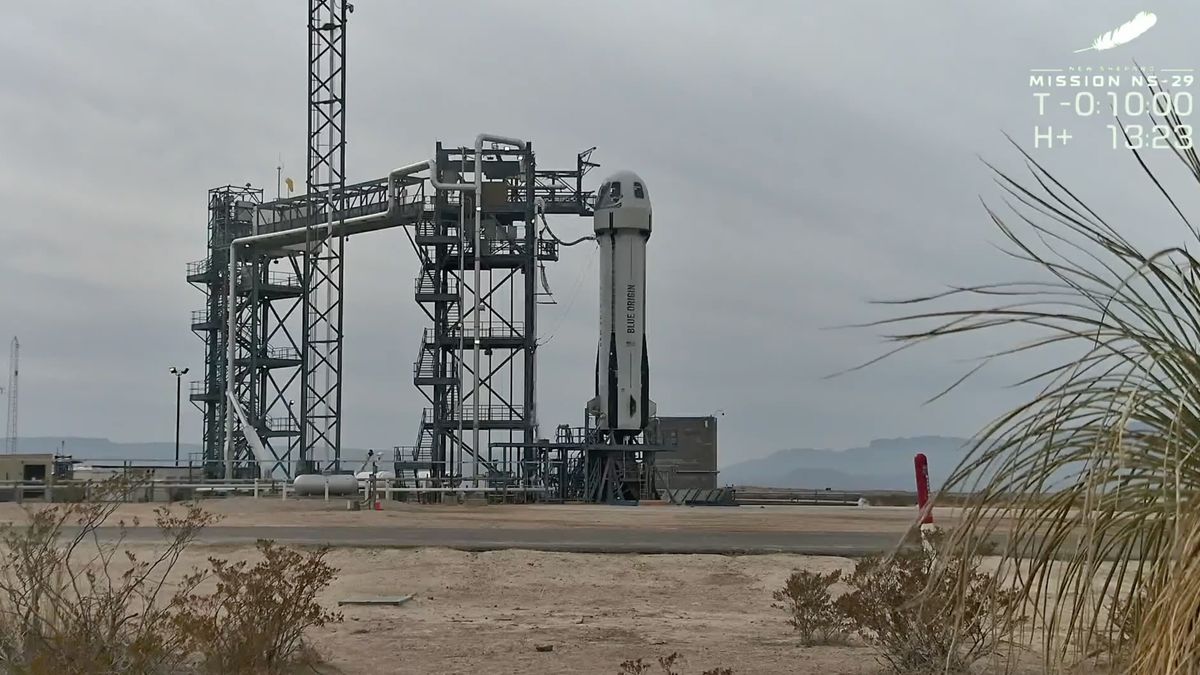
point(488, 611)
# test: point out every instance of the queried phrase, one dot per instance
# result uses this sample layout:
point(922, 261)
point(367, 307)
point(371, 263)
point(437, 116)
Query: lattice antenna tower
point(321, 387)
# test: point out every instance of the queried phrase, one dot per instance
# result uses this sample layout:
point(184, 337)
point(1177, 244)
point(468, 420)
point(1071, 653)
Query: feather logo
point(1126, 33)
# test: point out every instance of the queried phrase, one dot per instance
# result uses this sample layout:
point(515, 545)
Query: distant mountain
point(104, 449)
point(885, 464)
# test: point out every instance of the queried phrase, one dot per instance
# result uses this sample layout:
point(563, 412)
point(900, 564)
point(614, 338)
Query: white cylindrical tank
point(364, 476)
point(622, 223)
point(310, 484)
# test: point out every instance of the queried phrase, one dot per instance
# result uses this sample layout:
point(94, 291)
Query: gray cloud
point(804, 158)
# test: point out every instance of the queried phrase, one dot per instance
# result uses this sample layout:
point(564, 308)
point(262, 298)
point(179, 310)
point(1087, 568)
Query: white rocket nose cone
point(623, 189)
point(625, 177)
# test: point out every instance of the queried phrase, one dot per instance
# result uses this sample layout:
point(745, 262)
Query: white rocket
point(622, 406)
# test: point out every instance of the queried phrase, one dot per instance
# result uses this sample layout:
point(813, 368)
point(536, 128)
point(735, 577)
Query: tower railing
point(487, 413)
point(494, 329)
point(281, 424)
point(283, 353)
point(283, 279)
point(424, 284)
point(198, 267)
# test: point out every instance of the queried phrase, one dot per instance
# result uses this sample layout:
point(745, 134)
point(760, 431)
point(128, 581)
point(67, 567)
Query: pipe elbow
point(393, 192)
point(493, 138)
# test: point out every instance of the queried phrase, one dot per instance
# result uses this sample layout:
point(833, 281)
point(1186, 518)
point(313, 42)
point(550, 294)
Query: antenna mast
point(14, 355)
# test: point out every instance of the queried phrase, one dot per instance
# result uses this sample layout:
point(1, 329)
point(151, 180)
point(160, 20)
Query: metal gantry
point(272, 288)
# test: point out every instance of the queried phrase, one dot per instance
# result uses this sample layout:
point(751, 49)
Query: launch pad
point(578, 466)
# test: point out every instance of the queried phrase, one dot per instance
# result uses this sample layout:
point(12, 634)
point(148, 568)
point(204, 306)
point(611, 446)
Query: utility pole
point(14, 357)
point(178, 373)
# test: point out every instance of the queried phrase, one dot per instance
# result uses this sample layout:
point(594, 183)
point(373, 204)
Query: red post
point(922, 465)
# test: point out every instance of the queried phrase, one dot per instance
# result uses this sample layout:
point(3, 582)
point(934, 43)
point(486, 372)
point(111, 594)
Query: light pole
point(178, 373)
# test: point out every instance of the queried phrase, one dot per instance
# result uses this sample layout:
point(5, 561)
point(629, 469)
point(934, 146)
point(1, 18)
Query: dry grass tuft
point(666, 666)
point(1093, 481)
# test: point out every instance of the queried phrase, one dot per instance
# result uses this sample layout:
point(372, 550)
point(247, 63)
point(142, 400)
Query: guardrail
point(283, 279)
point(766, 496)
point(137, 491)
point(197, 267)
point(148, 491)
point(487, 413)
point(428, 285)
point(283, 353)
point(495, 329)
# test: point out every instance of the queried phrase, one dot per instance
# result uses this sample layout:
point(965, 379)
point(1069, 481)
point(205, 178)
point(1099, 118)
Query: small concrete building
point(27, 467)
point(690, 460)
point(23, 475)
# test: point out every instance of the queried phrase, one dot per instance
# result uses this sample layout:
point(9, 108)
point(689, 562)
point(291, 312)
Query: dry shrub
point(910, 606)
point(814, 614)
point(255, 620)
point(65, 607)
point(75, 601)
point(666, 666)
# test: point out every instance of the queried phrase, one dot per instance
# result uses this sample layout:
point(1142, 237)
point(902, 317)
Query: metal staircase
point(428, 370)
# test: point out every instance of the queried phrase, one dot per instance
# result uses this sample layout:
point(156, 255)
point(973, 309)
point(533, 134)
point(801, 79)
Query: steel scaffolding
point(273, 340)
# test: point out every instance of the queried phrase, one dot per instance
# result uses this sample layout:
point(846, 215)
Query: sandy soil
point(488, 613)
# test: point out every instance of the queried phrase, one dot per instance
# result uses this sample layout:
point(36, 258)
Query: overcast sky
point(803, 158)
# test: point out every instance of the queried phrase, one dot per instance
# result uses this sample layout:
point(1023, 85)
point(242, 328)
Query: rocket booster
point(621, 220)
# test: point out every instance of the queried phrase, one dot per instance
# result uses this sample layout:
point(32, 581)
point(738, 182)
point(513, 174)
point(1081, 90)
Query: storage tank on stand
point(313, 484)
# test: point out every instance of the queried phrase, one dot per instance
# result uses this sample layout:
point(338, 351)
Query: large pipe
point(231, 335)
point(520, 144)
point(462, 217)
